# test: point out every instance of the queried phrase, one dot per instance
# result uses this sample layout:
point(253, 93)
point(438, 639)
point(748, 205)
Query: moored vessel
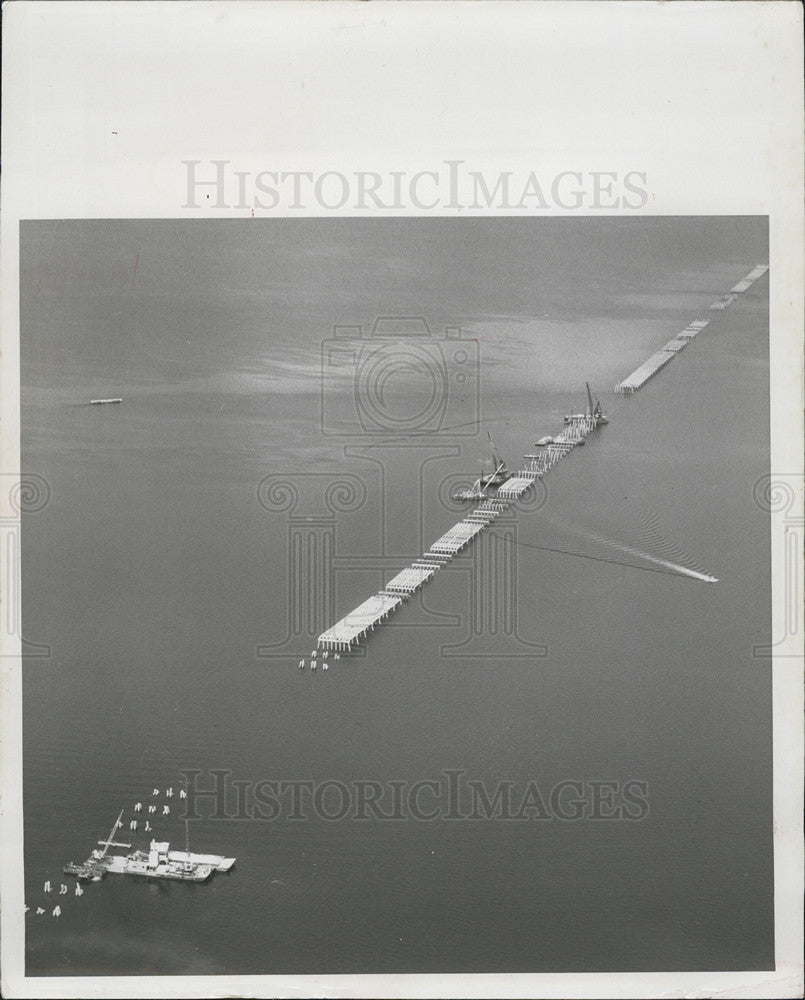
point(159, 861)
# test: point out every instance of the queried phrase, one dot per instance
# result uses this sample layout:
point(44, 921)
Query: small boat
point(100, 402)
point(88, 871)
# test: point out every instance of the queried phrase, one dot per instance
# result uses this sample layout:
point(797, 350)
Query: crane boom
point(106, 844)
point(496, 459)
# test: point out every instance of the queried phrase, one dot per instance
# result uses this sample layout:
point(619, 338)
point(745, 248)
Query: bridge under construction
point(355, 626)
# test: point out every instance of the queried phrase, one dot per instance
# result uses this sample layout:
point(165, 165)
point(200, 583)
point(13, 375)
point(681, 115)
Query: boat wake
point(666, 563)
point(646, 524)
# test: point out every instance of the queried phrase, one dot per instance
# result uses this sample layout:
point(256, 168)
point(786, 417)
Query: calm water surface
point(154, 573)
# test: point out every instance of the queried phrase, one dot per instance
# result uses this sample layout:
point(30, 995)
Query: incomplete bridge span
point(342, 636)
point(353, 627)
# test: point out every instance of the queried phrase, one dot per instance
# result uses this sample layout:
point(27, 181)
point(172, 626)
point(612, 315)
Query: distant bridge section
point(669, 351)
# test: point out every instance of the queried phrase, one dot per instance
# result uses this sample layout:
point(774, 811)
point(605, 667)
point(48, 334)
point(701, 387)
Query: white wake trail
point(694, 574)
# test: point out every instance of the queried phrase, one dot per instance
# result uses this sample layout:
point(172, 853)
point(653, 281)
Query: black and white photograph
point(402, 566)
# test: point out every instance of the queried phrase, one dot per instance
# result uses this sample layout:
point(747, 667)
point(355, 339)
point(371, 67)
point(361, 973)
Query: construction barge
point(159, 861)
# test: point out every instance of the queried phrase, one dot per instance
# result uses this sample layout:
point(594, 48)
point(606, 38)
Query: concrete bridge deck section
point(515, 487)
point(660, 359)
point(750, 279)
point(647, 370)
point(461, 534)
point(357, 623)
point(410, 579)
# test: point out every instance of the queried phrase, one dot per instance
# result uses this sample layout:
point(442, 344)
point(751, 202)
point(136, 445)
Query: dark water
point(154, 573)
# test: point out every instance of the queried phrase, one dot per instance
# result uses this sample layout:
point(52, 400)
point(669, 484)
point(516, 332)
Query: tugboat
point(158, 862)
